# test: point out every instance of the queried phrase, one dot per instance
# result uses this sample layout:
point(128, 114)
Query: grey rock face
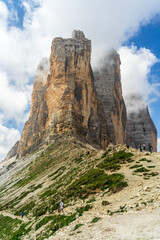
point(108, 86)
point(13, 152)
point(140, 128)
point(78, 34)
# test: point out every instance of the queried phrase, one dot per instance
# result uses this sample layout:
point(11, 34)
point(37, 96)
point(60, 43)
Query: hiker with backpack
point(61, 206)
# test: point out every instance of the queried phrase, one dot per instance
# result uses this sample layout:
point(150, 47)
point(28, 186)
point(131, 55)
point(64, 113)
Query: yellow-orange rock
point(65, 100)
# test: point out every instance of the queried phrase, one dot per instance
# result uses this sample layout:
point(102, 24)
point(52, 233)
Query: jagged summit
point(66, 102)
point(68, 98)
point(107, 81)
point(78, 34)
point(140, 128)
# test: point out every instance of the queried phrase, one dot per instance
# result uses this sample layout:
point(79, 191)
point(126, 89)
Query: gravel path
point(129, 226)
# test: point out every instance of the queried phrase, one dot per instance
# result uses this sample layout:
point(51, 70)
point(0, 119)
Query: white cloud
point(13, 101)
point(7, 139)
point(3, 15)
point(135, 69)
point(106, 23)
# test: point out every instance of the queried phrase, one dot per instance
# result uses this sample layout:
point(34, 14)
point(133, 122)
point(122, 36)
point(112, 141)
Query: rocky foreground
point(111, 194)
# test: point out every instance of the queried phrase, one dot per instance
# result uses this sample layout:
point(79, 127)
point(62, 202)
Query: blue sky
point(27, 28)
point(148, 37)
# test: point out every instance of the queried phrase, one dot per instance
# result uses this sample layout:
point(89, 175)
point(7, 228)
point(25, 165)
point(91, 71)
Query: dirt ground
point(127, 226)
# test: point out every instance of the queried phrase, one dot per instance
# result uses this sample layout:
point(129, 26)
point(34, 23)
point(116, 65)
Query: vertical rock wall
point(65, 100)
point(108, 86)
point(140, 128)
point(34, 129)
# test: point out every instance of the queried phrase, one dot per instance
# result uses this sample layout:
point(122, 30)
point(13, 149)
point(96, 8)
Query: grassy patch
point(93, 181)
point(8, 226)
point(84, 209)
point(58, 221)
point(106, 152)
point(26, 208)
point(23, 230)
point(151, 166)
point(113, 163)
point(136, 166)
point(142, 169)
point(77, 226)
point(44, 221)
point(96, 219)
point(57, 171)
point(91, 200)
point(152, 174)
point(78, 159)
point(145, 160)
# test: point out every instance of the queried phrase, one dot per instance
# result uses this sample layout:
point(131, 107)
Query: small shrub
point(78, 226)
point(78, 159)
point(84, 209)
point(113, 162)
point(136, 166)
point(96, 219)
point(95, 180)
point(142, 169)
point(152, 174)
point(91, 200)
point(145, 160)
point(44, 221)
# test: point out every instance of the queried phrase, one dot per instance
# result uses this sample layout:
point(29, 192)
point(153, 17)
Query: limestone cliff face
point(65, 99)
point(34, 128)
point(108, 86)
point(13, 152)
point(140, 128)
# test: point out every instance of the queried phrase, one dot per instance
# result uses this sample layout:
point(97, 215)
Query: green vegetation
point(23, 230)
point(57, 171)
point(113, 163)
point(78, 159)
point(145, 160)
point(106, 153)
point(152, 174)
point(26, 208)
point(151, 166)
point(58, 221)
point(136, 166)
point(142, 169)
point(84, 209)
point(78, 226)
point(44, 221)
point(91, 200)
point(96, 219)
point(95, 180)
point(7, 227)
point(79, 178)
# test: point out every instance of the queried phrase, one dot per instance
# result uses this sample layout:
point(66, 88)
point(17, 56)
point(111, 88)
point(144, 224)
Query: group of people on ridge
point(143, 147)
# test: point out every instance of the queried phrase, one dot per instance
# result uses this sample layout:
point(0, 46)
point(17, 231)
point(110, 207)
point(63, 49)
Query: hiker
point(144, 147)
point(150, 148)
point(141, 149)
point(22, 214)
point(61, 206)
